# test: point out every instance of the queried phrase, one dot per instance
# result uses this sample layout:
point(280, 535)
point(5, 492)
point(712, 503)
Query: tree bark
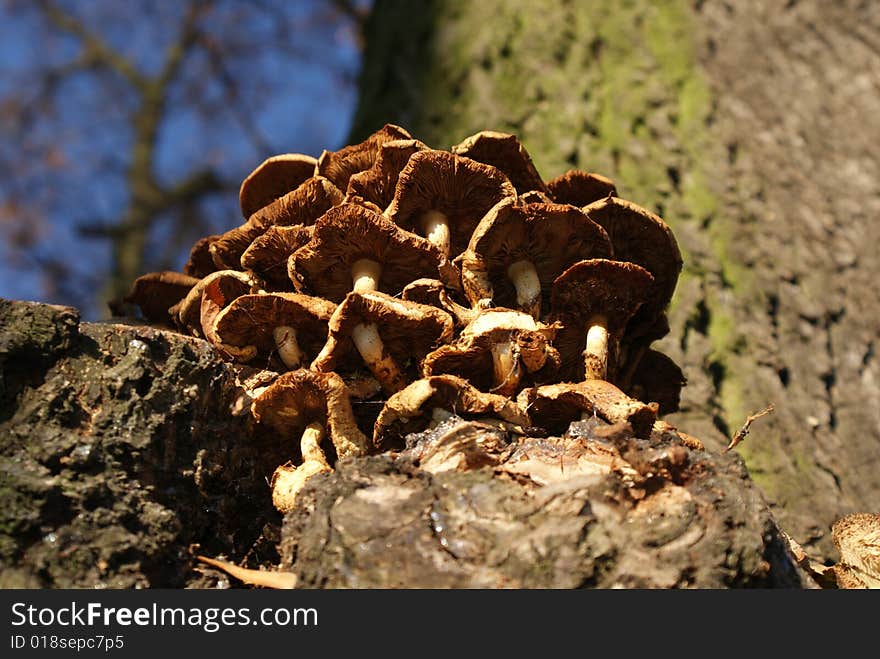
point(746, 127)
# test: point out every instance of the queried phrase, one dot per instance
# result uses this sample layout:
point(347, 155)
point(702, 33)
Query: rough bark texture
point(748, 126)
point(118, 451)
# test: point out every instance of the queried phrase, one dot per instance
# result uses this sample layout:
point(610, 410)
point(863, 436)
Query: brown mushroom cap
point(857, 539)
point(348, 233)
point(470, 356)
point(410, 410)
point(200, 264)
point(339, 166)
point(301, 206)
point(580, 188)
point(461, 189)
point(504, 151)
point(301, 397)
point(550, 236)
point(657, 378)
point(376, 185)
point(273, 178)
point(156, 292)
point(434, 293)
point(534, 197)
point(245, 327)
point(613, 289)
point(554, 406)
point(408, 330)
point(640, 237)
point(267, 255)
point(187, 312)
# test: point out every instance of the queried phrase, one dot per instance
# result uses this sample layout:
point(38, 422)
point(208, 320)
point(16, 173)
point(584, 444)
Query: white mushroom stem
point(288, 481)
point(505, 363)
point(310, 444)
point(369, 344)
point(596, 352)
point(528, 287)
point(288, 347)
point(435, 226)
point(365, 275)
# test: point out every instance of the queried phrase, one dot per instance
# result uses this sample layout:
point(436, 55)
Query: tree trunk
point(747, 129)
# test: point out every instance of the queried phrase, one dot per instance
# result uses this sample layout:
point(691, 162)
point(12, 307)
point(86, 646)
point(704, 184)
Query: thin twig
point(742, 432)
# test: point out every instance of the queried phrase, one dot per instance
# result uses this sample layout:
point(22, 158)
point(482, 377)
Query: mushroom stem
point(505, 362)
point(369, 344)
point(287, 481)
point(310, 444)
point(435, 225)
point(596, 352)
point(288, 347)
point(365, 274)
point(528, 287)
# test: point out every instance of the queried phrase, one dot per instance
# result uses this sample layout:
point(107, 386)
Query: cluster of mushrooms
point(429, 283)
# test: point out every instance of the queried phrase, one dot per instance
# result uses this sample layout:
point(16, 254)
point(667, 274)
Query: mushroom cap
point(187, 312)
point(248, 322)
point(580, 188)
point(267, 255)
point(640, 237)
point(200, 264)
point(298, 398)
point(550, 236)
point(339, 166)
point(659, 379)
point(434, 293)
point(301, 206)
point(376, 185)
point(410, 410)
point(408, 330)
point(460, 188)
point(534, 197)
point(504, 151)
point(555, 406)
point(613, 289)
point(156, 292)
point(350, 232)
point(273, 178)
point(857, 539)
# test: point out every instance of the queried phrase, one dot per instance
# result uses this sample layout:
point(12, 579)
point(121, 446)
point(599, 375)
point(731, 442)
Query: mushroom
point(313, 406)
point(656, 378)
point(339, 166)
point(301, 206)
point(640, 237)
point(267, 255)
point(534, 197)
point(354, 248)
point(155, 293)
point(291, 324)
point(273, 178)
point(436, 294)
point(430, 399)
point(187, 312)
point(596, 299)
point(857, 539)
point(495, 349)
point(517, 251)
point(580, 188)
point(504, 151)
point(200, 264)
point(376, 185)
point(442, 196)
point(554, 406)
point(386, 332)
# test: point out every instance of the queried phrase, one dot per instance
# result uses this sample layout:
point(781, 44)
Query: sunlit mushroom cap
point(640, 237)
point(411, 409)
point(340, 166)
point(245, 327)
point(580, 188)
point(348, 233)
point(298, 398)
point(376, 185)
point(268, 254)
point(408, 330)
point(504, 151)
point(187, 312)
point(273, 178)
point(554, 406)
point(156, 292)
point(463, 190)
point(551, 237)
